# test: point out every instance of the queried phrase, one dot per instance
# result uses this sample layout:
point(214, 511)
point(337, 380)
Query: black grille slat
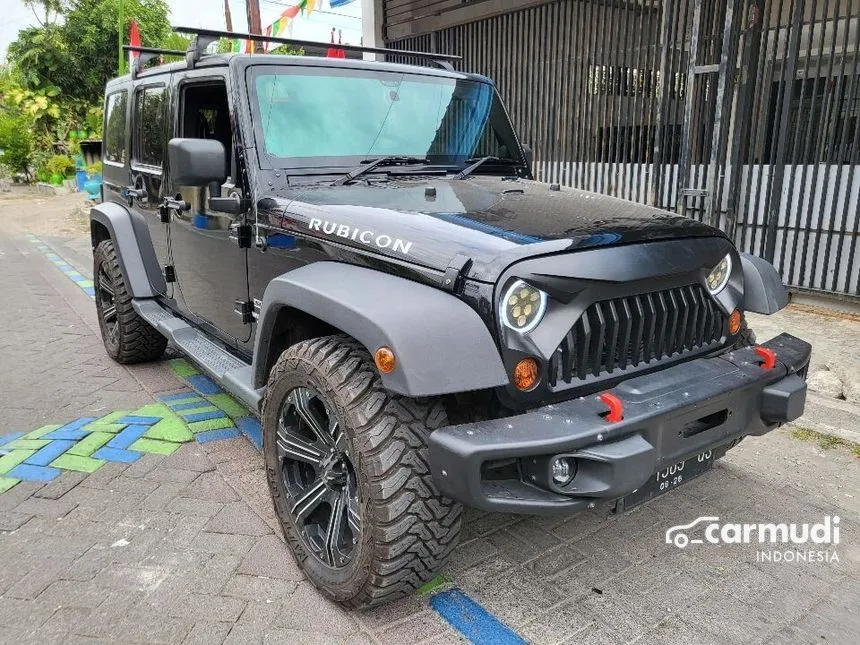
point(618, 334)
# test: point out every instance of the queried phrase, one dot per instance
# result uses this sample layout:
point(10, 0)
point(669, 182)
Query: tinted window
point(114, 135)
point(150, 126)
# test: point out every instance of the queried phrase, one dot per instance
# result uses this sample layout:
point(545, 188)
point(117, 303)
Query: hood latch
point(453, 280)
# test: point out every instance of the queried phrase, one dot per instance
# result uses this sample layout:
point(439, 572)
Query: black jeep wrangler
point(357, 251)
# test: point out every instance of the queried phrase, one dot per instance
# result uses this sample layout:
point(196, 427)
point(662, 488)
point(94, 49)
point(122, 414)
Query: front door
point(211, 269)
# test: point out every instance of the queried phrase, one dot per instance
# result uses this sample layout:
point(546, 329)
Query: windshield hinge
point(453, 280)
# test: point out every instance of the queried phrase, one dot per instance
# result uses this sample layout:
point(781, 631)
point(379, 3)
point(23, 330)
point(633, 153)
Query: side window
point(114, 136)
point(150, 120)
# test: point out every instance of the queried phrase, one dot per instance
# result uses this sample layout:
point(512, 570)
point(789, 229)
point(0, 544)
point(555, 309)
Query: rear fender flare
point(440, 343)
point(134, 248)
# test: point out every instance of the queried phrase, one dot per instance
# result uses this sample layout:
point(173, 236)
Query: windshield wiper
point(477, 162)
point(368, 165)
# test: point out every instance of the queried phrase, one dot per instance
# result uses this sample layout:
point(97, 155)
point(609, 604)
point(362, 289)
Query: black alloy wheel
point(318, 477)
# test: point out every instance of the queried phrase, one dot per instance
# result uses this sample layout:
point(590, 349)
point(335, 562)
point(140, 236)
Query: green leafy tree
point(16, 142)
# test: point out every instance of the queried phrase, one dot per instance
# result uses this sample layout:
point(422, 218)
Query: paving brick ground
point(185, 548)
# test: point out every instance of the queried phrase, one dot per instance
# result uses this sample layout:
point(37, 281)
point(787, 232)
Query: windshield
point(307, 117)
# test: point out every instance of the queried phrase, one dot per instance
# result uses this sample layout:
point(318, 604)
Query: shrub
point(60, 165)
point(16, 142)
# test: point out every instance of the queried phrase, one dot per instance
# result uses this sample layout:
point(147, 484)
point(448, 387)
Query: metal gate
point(742, 113)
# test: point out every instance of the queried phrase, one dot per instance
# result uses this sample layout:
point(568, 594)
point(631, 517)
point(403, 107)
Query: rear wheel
point(347, 466)
point(127, 337)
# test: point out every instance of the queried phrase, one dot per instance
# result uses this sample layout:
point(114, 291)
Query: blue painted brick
point(176, 397)
point(116, 454)
point(204, 416)
point(66, 435)
point(33, 473)
point(127, 437)
point(203, 384)
point(77, 424)
point(216, 435)
point(199, 403)
point(46, 455)
point(250, 427)
point(90, 291)
point(138, 421)
point(7, 438)
point(473, 621)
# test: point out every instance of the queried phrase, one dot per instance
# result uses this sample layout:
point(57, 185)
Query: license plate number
point(670, 477)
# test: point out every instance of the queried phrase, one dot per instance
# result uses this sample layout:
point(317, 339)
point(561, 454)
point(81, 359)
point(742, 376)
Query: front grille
point(620, 334)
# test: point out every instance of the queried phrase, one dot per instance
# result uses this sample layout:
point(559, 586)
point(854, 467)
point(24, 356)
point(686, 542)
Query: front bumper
point(669, 415)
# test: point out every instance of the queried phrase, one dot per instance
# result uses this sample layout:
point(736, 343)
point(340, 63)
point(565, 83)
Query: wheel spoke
point(340, 442)
point(289, 445)
point(334, 530)
point(105, 284)
point(353, 513)
point(109, 313)
point(300, 399)
point(309, 501)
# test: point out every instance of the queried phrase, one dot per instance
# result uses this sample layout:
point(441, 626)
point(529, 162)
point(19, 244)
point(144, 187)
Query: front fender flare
point(441, 344)
point(134, 248)
point(764, 292)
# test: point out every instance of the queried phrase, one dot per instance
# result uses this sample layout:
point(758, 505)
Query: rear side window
point(114, 135)
point(150, 117)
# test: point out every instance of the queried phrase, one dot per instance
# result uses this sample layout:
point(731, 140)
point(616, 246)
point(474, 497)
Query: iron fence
point(741, 113)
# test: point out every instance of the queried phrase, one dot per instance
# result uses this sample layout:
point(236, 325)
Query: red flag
point(134, 41)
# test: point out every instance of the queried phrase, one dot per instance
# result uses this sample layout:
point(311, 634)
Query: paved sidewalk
point(184, 548)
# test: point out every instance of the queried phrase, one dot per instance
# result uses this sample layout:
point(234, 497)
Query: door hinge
point(245, 309)
point(453, 279)
point(169, 273)
point(243, 234)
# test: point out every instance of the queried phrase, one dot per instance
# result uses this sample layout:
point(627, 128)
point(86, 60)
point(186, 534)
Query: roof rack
point(205, 37)
point(146, 55)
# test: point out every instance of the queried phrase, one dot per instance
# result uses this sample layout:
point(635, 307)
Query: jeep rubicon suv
point(357, 251)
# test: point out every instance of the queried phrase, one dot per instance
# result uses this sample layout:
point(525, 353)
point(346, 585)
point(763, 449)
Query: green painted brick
point(204, 407)
point(154, 446)
point(12, 459)
point(83, 284)
point(40, 432)
point(210, 424)
point(78, 463)
point(89, 444)
point(108, 418)
point(27, 444)
point(191, 397)
point(436, 583)
point(229, 405)
point(172, 429)
point(153, 410)
point(8, 482)
point(183, 368)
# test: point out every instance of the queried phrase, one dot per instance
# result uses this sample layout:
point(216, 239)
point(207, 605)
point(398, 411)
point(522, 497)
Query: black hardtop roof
point(247, 60)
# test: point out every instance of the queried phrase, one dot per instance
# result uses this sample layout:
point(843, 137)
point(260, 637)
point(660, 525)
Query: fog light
point(562, 471)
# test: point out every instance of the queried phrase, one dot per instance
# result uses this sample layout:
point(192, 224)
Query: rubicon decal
point(371, 238)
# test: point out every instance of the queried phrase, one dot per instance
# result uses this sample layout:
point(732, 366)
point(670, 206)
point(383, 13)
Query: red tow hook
point(616, 407)
point(768, 356)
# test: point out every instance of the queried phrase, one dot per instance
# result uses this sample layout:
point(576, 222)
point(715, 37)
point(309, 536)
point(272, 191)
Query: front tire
point(127, 337)
point(347, 467)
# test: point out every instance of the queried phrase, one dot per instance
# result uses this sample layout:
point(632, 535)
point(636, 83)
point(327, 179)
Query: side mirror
point(197, 162)
point(530, 156)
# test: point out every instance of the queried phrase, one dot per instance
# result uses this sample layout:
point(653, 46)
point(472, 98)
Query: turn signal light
point(735, 322)
point(526, 374)
point(385, 360)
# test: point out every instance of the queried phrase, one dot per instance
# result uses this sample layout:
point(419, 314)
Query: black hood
point(491, 220)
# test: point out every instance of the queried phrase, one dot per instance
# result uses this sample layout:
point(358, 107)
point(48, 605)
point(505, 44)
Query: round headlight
point(522, 307)
point(719, 276)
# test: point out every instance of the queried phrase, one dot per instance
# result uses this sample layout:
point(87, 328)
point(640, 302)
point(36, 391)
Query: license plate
point(669, 478)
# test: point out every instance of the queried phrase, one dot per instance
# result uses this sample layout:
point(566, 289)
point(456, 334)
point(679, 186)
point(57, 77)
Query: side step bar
point(230, 372)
